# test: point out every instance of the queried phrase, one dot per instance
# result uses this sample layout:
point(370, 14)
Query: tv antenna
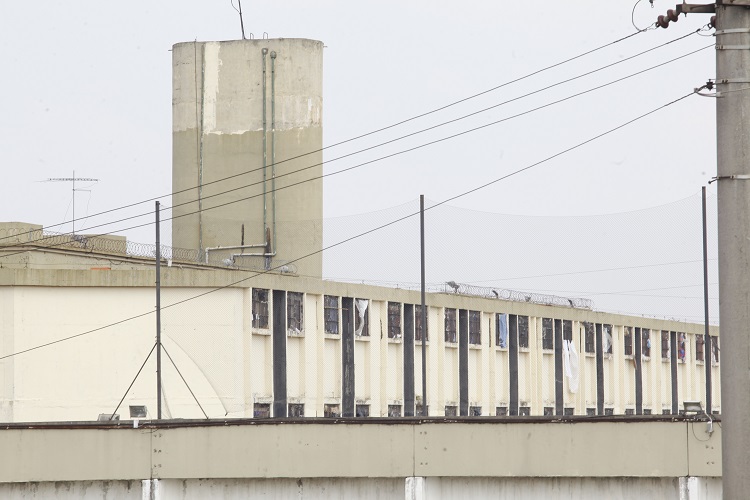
point(73, 180)
point(239, 11)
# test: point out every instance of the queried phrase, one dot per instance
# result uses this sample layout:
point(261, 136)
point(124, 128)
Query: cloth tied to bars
point(570, 365)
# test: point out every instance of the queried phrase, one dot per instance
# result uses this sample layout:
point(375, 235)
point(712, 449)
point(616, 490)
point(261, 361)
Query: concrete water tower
point(241, 110)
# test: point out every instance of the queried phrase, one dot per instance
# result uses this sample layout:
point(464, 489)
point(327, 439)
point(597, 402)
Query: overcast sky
point(87, 87)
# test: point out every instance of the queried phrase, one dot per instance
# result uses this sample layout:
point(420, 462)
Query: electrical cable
point(396, 124)
point(474, 129)
point(185, 381)
point(370, 231)
point(112, 415)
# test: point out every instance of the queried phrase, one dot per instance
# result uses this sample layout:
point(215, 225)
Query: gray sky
point(87, 87)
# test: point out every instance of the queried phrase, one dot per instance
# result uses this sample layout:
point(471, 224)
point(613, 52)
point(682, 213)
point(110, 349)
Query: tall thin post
point(707, 341)
point(423, 310)
point(158, 316)
point(74, 202)
point(733, 180)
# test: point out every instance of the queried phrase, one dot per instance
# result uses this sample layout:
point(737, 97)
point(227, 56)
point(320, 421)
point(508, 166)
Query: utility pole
point(158, 315)
point(423, 311)
point(732, 23)
point(733, 180)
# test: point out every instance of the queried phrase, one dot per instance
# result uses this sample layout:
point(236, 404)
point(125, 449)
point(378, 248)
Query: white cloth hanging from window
point(570, 364)
point(361, 310)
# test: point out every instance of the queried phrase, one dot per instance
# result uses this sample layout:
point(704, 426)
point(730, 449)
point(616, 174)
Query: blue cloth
point(502, 326)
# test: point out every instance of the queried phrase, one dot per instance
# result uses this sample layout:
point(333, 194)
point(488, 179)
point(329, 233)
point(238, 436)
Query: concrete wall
point(218, 133)
point(373, 460)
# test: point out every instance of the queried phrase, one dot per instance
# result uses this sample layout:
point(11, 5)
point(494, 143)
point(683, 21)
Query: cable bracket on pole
point(738, 177)
point(732, 47)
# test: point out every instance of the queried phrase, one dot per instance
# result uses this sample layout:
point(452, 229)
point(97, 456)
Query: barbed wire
point(119, 246)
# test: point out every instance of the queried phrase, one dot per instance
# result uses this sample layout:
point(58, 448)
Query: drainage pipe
point(236, 247)
point(200, 151)
point(273, 145)
point(264, 51)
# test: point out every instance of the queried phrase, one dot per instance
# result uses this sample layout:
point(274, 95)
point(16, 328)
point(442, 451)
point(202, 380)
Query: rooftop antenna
point(242, 22)
point(73, 180)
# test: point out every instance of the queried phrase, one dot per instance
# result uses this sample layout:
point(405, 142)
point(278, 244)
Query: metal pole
point(158, 316)
point(74, 202)
point(423, 309)
point(733, 172)
point(264, 51)
point(707, 340)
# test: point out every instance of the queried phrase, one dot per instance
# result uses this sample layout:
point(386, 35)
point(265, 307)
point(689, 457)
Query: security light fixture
point(692, 407)
point(138, 411)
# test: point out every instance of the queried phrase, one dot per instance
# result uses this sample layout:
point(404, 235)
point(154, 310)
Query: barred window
point(394, 320)
point(715, 350)
point(331, 314)
point(450, 325)
point(681, 346)
point(607, 339)
point(260, 308)
point(567, 330)
point(394, 411)
point(523, 331)
point(418, 323)
point(548, 334)
point(294, 316)
point(700, 342)
point(664, 344)
point(589, 337)
point(475, 327)
point(628, 340)
point(646, 344)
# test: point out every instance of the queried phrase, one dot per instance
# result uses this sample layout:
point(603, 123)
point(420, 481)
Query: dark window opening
point(332, 410)
point(524, 411)
point(475, 411)
point(646, 343)
point(681, 346)
point(450, 325)
point(548, 334)
point(296, 410)
point(700, 343)
point(523, 331)
point(549, 411)
point(501, 411)
point(262, 410)
point(607, 339)
point(589, 338)
point(715, 350)
point(451, 411)
point(475, 327)
point(569, 411)
point(260, 308)
point(418, 323)
point(666, 412)
point(418, 412)
point(647, 411)
point(294, 315)
point(568, 330)
point(591, 412)
point(394, 411)
point(628, 340)
point(609, 411)
point(394, 320)
point(664, 344)
point(362, 411)
point(629, 411)
point(331, 314)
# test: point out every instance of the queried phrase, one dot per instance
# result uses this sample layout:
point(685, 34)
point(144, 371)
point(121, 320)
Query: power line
point(346, 240)
point(396, 124)
point(398, 153)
